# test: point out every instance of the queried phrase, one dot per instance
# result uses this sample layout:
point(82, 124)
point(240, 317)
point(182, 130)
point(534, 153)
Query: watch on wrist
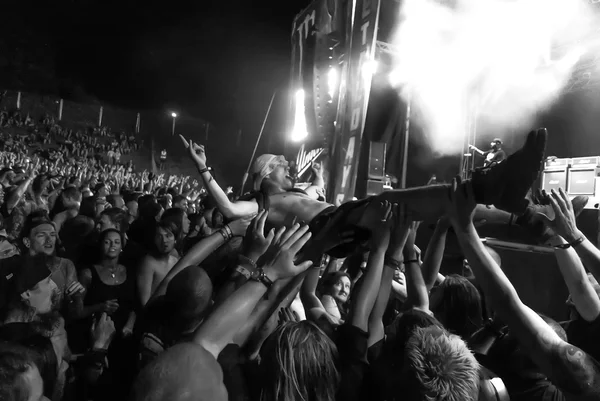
point(260, 276)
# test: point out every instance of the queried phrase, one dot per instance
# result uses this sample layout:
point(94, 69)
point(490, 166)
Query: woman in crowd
point(335, 293)
point(247, 345)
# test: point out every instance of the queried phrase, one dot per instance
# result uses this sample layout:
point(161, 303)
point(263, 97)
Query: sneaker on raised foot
point(505, 185)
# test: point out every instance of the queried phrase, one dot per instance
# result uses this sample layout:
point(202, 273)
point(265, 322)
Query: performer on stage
point(494, 155)
point(504, 185)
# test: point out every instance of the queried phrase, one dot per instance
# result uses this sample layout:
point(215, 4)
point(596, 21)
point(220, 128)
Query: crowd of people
point(117, 284)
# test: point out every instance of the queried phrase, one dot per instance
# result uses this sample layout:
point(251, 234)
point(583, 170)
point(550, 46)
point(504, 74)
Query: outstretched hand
point(282, 264)
point(564, 222)
point(255, 241)
point(380, 235)
point(195, 151)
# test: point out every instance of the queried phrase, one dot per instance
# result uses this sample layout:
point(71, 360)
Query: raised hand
point(380, 235)
point(316, 168)
point(195, 151)
point(564, 222)
point(282, 265)
point(255, 242)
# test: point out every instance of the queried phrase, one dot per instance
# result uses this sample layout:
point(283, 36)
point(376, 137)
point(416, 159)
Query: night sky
point(218, 60)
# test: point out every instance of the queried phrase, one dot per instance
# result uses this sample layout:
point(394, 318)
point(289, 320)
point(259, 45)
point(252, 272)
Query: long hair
point(299, 364)
point(172, 220)
point(331, 279)
point(456, 303)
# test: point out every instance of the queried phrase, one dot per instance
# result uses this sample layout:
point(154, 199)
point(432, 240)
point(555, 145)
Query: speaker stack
point(376, 168)
point(578, 176)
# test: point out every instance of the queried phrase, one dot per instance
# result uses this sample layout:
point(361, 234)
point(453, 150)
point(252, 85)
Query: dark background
point(219, 61)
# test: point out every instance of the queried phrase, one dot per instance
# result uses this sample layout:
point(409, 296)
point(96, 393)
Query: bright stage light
point(495, 51)
point(300, 131)
point(332, 82)
point(369, 68)
point(174, 115)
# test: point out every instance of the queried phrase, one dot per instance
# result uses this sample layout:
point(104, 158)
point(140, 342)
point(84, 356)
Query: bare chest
point(288, 208)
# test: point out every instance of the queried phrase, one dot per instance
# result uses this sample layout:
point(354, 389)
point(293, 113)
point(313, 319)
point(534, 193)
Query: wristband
point(573, 244)
point(228, 231)
point(204, 170)
point(224, 234)
point(244, 272)
point(406, 262)
point(261, 277)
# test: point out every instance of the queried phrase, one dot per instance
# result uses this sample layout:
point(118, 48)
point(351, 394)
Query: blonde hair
point(299, 363)
point(440, 367)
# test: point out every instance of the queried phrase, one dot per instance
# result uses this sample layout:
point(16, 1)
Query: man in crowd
point(39, 239)
point(504, 185)
point(157, 263)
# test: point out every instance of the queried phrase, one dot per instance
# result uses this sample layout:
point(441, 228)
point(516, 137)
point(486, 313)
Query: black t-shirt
point(585, 335)
point(236, 371)
point(352, 345)
point(522, 383)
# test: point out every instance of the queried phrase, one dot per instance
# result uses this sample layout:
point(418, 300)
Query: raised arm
point(435, 253)
point(366, 295)
point(317, 188)
point(476, 150)
point(226, 320)
point(534, 335)
point(565, 225)
point(393, 260)
point(582, 293)
point(416, 290)
point(203, 249)
point(231, 210)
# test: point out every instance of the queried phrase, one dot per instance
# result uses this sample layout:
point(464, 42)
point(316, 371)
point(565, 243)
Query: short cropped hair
point(439, 366)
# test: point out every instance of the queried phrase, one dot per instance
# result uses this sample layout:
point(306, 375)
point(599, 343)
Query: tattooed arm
point(569, 368)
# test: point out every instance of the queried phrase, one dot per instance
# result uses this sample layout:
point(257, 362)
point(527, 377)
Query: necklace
point(113, 272)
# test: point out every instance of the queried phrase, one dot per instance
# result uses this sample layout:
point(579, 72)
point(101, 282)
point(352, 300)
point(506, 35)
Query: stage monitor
point(582, 181)
point(375, 187)
point(554, 179)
